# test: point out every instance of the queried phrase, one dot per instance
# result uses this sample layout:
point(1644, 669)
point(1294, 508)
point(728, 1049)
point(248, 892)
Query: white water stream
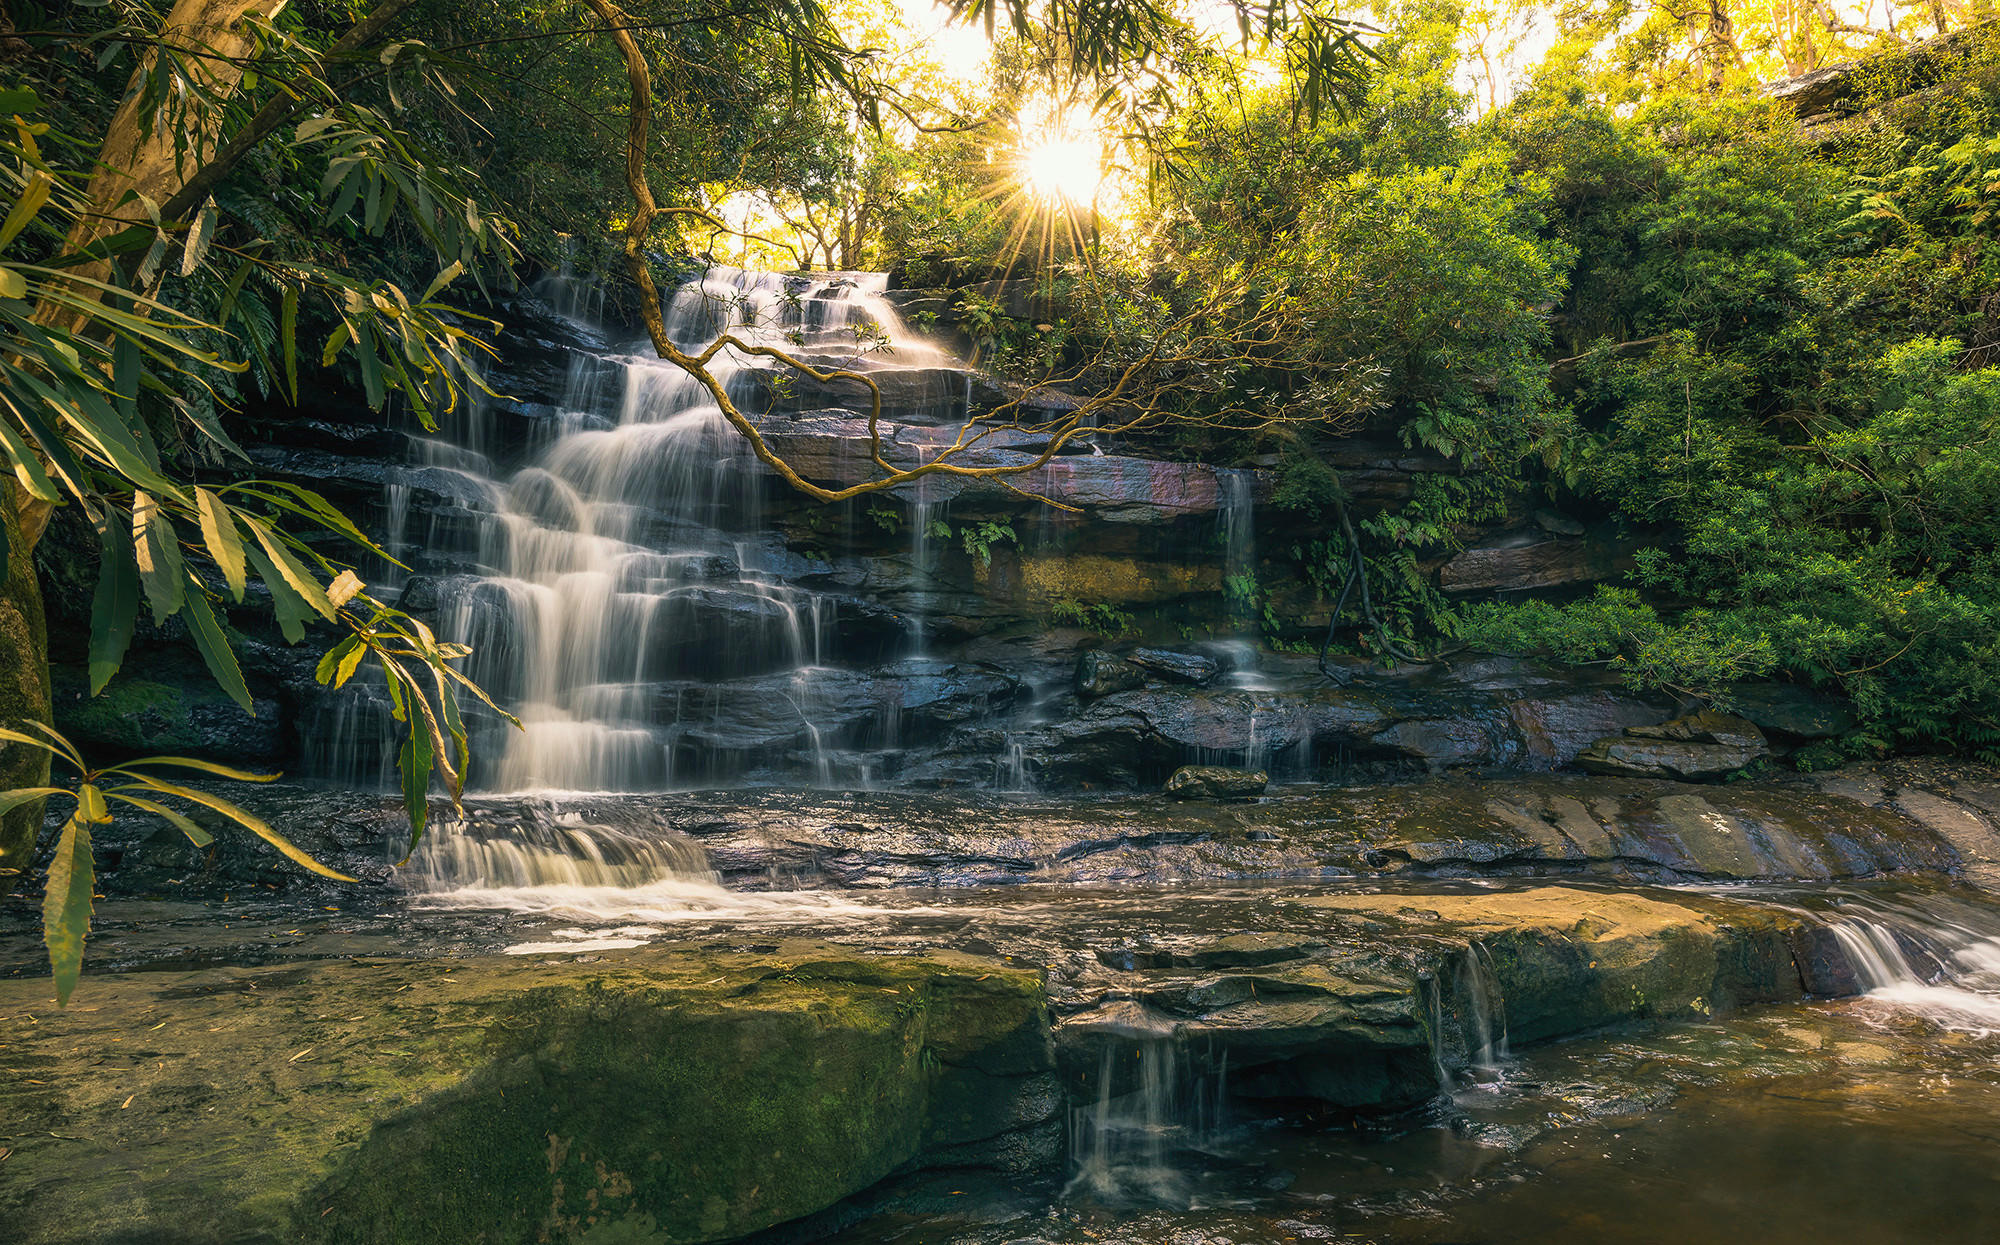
point(623, 570)
point(1940, 969)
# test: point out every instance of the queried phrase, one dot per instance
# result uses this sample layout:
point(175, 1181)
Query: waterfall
point(1236, 520)
point(1924, 961)
point(1154, 1097)
point(1467, 1013)
point(618, 566)
point(528, 857)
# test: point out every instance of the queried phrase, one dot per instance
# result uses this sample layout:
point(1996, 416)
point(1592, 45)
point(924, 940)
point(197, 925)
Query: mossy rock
point(139, 715)
point(661, 1096)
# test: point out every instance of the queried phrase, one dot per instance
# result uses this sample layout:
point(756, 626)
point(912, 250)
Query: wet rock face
point(1099, 673)
point(1700, 747)
point(1360, 999)
point(1216, 782)
point(1817, 828)
point(658, 1096)
point(1176, 667)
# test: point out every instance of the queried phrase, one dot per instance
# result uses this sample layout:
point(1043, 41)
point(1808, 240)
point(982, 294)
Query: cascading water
point(619, 574)
point(1937, 961)
point(531, 857)
point(1153, 1097)
point(1484, 1016)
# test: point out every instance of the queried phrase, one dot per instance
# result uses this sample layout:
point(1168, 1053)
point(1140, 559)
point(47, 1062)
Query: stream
point(1428, 988)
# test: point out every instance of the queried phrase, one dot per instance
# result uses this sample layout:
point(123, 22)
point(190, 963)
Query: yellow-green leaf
point(196, 835)
point(343, 588)
point(225, 544)
point(206, 767)
point(296, 576)
point(33, 196)
point(157, 549)
point(66, 905)
point(12, 284)
point(245, 818)
point(90, 805)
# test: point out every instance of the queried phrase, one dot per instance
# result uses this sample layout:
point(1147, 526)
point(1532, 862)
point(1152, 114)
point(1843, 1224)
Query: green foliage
point(67, 901)
point(1101, 617)
point(980, 538)
point(1702, 652)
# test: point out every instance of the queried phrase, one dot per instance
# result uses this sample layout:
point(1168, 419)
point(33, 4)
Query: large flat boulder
point(660, 1096)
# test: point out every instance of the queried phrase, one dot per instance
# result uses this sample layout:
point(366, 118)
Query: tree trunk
point(155, 156)
point(24, 687)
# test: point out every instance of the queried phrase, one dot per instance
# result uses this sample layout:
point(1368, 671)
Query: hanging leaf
point(225, 545)
point(329, 665)
point(414, 762)
point(288, 317)
point(33, 196)
point(114, 610)
point(295, 575)
point(157, 549)
point(343, 588)
point(292, 611)
point(200, 235)
point(66, 903)
point(214, 646)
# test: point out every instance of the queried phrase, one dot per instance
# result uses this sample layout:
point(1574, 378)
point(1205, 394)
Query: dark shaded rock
point(1528, 561)
point(179, 718)
point(1176, 667)
point(1099, 673)
point(709, 566)
point(1216, 782)
point(1706, 727)
point(1558, 525)
point(1788, 709)
point(420, 596)
point(1555, 728)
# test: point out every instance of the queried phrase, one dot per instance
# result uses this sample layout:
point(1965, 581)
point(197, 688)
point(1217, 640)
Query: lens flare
point(1062, 160)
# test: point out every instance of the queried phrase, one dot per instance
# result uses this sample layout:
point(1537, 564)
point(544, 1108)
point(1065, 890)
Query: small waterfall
point(527, 857)
point(1946, 970)
point(1236, 523)
point(1154, 1098)
point(1483, 1016)
point(1011, 771)
point(926, 517)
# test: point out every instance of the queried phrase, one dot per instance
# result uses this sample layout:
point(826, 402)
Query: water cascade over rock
point(620, 590)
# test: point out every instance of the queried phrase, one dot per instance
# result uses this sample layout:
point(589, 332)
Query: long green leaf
point(225, 544)
point(214, 646)
point(292, 611)
point(294, 574)
point(207, 767)
point(414, 765)
point(11, 800)
point(245, 818)
point(288, 319)
point(157, 549)
point(31, 199)
point(114, 610)
point(336, 657)
point(66, 905)
point(196, 835)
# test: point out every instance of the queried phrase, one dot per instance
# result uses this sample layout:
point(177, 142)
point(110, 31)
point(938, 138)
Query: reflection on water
point(1789, 1126)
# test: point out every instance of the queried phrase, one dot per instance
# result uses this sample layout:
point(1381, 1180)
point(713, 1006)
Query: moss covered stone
point(652, 1096)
